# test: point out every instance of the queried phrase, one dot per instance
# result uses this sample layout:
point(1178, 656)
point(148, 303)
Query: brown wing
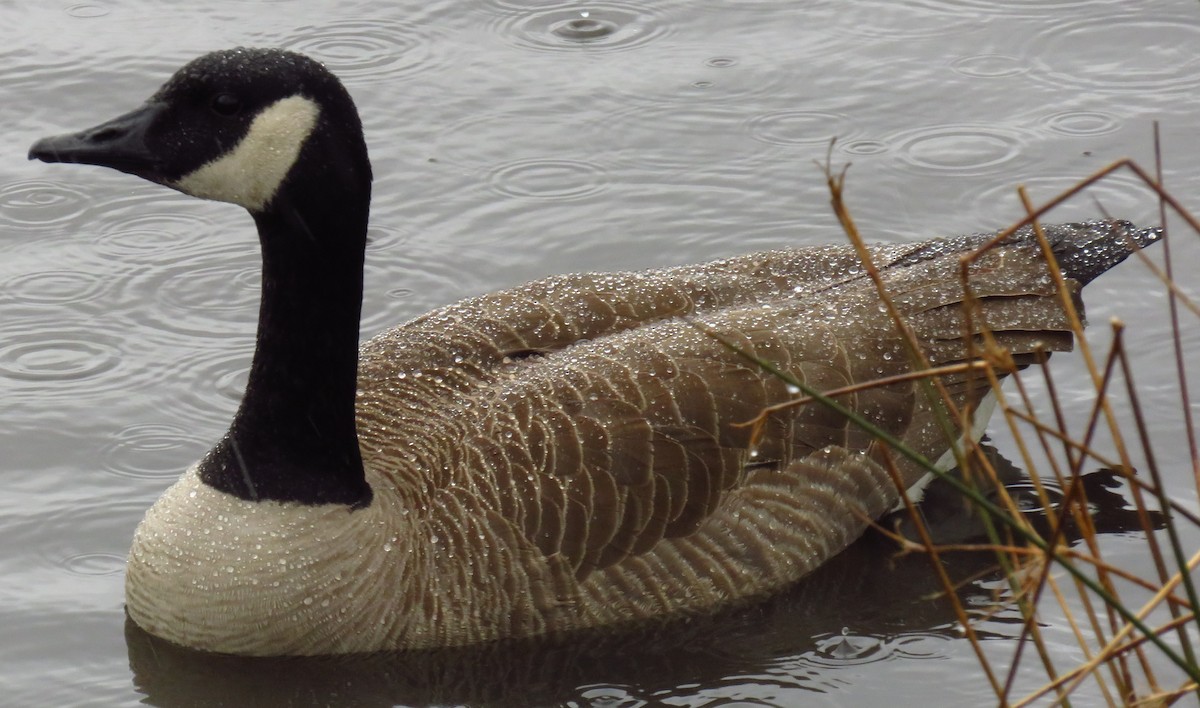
point(616, 426)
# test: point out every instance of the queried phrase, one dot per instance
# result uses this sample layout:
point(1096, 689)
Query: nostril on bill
point(106, 134)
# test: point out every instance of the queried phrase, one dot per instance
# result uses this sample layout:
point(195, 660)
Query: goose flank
point(554, 457)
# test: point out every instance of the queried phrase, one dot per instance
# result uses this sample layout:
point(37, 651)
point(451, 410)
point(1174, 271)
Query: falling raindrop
point(583, 27)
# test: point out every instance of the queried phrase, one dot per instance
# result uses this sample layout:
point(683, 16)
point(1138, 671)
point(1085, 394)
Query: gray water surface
point(505, 150)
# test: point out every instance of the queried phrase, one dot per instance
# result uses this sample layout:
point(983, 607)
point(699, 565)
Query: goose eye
point(226, 104)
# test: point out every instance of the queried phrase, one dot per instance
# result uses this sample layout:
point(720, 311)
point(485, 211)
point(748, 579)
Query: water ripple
point(604, 26)
point(1082, 123)
point(431, 275)
point(988, 66)
point(1104, 53)
point(892, 20)
point(53, 355)
point(381, 239)
point(1028, 496)
point(48, 90)
point(144, 229)
point(863, 147)
point(838, 651)
point(1122, 195)
point(960, 149)
point(721, 62)
point(800, 127)
point(846, 649)
point(55, 287)
point(50, 355)
point(153, 451)
point(212, 293)
point(742, 74)
point(88, 540)
point(485, 139)
point(370, 49)
point(85, 11)
point(665, 136)
point(921, 645)
point(87, 564)
point(40, 203)
point(548, 179)
point(1009, 8)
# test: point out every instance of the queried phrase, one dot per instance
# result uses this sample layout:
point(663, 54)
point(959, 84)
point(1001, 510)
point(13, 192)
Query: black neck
point(294, 435)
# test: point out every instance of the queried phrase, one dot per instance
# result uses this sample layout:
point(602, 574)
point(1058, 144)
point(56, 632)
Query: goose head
point(252, 127)
point(276, 133)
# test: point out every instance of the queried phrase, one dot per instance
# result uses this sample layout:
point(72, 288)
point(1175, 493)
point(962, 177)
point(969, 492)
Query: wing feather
point(606, 428)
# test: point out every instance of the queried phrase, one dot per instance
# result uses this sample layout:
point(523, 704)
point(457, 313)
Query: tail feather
point(1084, 250)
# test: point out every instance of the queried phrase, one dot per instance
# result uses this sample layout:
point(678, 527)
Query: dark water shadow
point(797, 639)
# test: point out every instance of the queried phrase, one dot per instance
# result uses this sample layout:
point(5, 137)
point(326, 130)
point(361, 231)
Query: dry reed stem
point(757, 422)
point(1172, 306)
point(1117, 645)
point(939, 569)
point(1027, 569)
point(1081, 640)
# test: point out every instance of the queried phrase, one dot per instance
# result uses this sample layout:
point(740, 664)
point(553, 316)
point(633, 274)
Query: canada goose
point(557, 456)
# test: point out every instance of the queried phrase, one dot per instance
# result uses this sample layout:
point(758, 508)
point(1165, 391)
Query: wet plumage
point(563, 455)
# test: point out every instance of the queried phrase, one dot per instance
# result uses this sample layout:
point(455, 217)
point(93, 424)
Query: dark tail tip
point(1087, 249)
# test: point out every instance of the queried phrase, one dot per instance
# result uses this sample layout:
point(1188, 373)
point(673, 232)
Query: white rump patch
point(250, 174)
point(945, 463)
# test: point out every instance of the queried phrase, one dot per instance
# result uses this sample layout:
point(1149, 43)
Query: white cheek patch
point(250, 174)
